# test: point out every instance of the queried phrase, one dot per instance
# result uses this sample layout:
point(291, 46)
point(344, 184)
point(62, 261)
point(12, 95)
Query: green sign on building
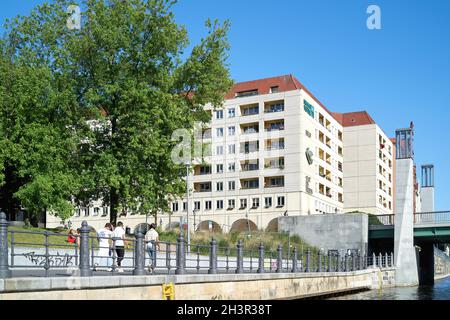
point(309, 108)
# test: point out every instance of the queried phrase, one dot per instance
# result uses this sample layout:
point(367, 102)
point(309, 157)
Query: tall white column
point(404, 251)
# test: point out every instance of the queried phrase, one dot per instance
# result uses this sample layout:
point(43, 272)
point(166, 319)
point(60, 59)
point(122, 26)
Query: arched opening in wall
point(243, 225)
point(272, 226)
point(173, 225)
point(142, 228)
point(209, 226)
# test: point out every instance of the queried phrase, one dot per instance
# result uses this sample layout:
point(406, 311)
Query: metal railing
point(382, 219)
point(48, 255)
point(419, 217)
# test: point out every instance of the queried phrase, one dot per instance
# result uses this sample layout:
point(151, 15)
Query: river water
point(440, 291)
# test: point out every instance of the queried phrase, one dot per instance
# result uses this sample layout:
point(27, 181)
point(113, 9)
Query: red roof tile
point(350, 119)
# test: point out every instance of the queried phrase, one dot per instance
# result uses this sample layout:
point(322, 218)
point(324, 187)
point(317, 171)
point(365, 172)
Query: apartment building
point(369, 165)
point(276, 150)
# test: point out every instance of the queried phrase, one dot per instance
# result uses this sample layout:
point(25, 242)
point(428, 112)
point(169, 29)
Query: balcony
point(275, 163)
point(250, 165)
point(248, 93)
point(202, 170)
point(274, 182)
point(249, 147)
point(247, 184)
point(276, 125)
point(271, 107)
point(202, 187)
point(250, 128)
point(249, 110)
point(276, 144)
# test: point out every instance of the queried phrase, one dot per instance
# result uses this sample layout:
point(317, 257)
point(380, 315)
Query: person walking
point(152, 240)
point(120, 244)
point(104, 236)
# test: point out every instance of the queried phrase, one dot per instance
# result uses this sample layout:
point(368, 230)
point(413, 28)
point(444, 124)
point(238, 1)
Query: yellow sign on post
point(168, 291)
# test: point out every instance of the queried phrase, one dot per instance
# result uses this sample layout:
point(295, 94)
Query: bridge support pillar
point(406, 273)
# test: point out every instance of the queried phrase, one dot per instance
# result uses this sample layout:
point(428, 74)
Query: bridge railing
point(382, 220)
point(432, 217)
point(48, 254)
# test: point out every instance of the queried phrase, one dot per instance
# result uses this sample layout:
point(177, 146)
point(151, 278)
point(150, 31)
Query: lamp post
point(187, 208)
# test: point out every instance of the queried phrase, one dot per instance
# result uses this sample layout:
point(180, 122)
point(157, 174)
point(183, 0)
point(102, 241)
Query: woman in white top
point(152, 240)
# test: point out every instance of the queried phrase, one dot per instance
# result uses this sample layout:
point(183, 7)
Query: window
point(275, 107)
point(250, 110)
point(219, 132)
point(78, 212)
point(243, 204)
point(231, 131)
point(219, 114)
point(197, 205)
point(205, 170)
point(104, 211)
point(250, 128)
point(219, 168)
point(274, 89)
point(273, 182)
point(208, 205)
point(250, 146)
point(280, 202)
point(255, 203)
point(231, 113)
point(340, 166)
point(231, 149)
point(250, 184)
point(184, 206)
point(231, 167)
point(219, 204)
point(219, 150)
point(86, 212)
point(96, 211)
point(175, 207)
point(231, 185)
point(219, 186)
point(203, 187)
point(248, 93)
point(268, 202)
point(231, 204)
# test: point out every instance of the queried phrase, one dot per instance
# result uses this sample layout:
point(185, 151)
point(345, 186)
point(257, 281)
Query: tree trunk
point(114, 205)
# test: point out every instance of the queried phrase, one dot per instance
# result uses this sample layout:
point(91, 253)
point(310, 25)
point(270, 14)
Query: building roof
point(263, 86)
point(351, 119)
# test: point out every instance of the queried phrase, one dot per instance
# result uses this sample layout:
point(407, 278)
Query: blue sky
point(399, 74)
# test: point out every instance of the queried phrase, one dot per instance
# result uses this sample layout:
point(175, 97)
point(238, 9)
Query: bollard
point(279, 259)
point(213, 257)
point(240, 258)
point(380, 260)
point(319, 261)
point(139, 255)
point(308, 259)
point(338, 262)
point(294, 260)
point(85, 268)
point(330, 262)
point(386, 260)
point(181, 255)
point(261, 259)
point(5, 272)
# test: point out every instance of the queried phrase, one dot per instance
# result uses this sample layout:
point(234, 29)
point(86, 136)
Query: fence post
point(380, 260)
point(374, 261)
point(294, 260)
point(353, 257)
point(319, 258)
point(330, 262)
point(386, 260)
point(139, 254)
point(5, 272)
point(308, 259)
point(240, 258)
point(261, 259)
point(181, 255)
point(279, 259)
point(213, 257)
point(85, 268)
point(392, 259)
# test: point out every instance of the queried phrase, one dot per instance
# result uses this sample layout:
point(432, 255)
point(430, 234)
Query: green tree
point(123, 84)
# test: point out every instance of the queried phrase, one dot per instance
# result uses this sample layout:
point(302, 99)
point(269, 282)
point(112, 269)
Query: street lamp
point(187, 207)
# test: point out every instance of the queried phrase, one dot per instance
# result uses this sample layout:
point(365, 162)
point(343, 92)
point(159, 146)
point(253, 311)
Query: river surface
point(440, 291)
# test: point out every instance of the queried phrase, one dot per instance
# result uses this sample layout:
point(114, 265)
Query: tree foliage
point(88, 114)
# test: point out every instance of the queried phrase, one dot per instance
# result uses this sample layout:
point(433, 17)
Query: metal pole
point(139, 255)
point(319, 262)
point(261, 259)
point(279, 259)
point(181, 256)
point(294, 260)
point(187, 210)
point(308, 259)
point(85, 268)
point(240, 257)
point(213, 257)
point(5, 272)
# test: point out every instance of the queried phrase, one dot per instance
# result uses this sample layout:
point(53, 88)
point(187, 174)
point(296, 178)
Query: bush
point(27, 224)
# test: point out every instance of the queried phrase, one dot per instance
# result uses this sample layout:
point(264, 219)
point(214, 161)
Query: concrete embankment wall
point(194, 287)
point(441, 264)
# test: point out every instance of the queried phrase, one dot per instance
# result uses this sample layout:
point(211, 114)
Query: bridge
point(430, 229)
